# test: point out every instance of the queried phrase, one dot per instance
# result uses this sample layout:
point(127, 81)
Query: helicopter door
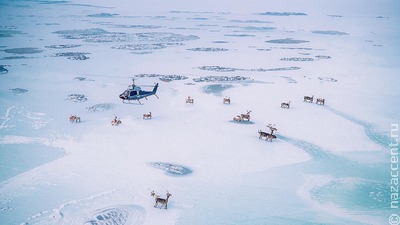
point(133, 93)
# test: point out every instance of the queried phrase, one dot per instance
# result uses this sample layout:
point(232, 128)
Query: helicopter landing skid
point(129, 102)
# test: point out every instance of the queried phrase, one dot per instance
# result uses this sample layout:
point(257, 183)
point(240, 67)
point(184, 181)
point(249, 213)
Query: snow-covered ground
point(330, 164)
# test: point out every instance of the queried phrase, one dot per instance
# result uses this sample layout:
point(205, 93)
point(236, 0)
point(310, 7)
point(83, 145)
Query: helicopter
point(134, 92)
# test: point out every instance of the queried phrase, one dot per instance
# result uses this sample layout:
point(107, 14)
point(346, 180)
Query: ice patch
point(264, 49)
point(221, 79)
point(171, 169)
point(292, 48)
point(329, 32)
point(166, 78)
point(73, 55)
point(118, 215)
point(100, 107)
point(9, 33)
point(218, 68)
point(208, 49)
point(230, 69)
point(63, 46)
point(282, 14)
point(253, 28)
point(37, 120)
point(289, 79)
point(329, 79)
point(287, 41)
point(3, 70)
point(23, 50)
point(100, 35)
point(277, 69)
point(52, 2)
point(15, 57)
point(353, 194)
point(315, 186)
point(141, 47)
point(103, 15)
point(6, 208)
point(197, 18)
point(134, 26)
point(249, 21)
point(142, 53)
point(216, 89)
point(335, 16)
point(297, 59)
point(322, 57)
point(18, 90)
point(82, 79)
point(77, 98)
point(239, 35)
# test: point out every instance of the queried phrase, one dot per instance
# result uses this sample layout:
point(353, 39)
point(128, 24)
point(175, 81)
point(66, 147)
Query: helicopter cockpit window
point(126, 93)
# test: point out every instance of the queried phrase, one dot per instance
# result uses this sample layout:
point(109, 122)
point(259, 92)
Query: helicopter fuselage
point(136, 93)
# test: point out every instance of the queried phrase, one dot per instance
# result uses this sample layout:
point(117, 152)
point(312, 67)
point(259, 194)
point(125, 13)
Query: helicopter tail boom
point(155, 89)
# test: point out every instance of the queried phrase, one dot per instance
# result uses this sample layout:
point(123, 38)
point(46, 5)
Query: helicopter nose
point(121, 96)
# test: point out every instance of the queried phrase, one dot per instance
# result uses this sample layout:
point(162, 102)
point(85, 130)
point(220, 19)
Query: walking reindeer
point(308, 99)
point(189, 100)
point(227, 100)
point(272, 129)
point(285, 104)
point(74, 118)
point(246, 116)
point(263, 135)
point(320, 101)
point(116, 122)
point(147, 115)
point(159, 200)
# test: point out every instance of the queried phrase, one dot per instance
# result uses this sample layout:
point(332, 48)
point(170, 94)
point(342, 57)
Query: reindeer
point(161, 201)
point(308, 99)
point(189, 100)
point(147, 116)
point(246, 116)
point(285, 105)
point(116, 122)
point(272, 128)
point(227, 100)
point(74, 118)
point(237, 118)
point(263, 134)
point(270, 137)
point(320, 101)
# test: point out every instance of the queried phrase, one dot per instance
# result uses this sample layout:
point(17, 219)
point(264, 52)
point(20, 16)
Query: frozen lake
point(329, 163)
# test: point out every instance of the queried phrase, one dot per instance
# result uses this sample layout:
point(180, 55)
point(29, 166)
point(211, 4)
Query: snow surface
point(329, 164)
